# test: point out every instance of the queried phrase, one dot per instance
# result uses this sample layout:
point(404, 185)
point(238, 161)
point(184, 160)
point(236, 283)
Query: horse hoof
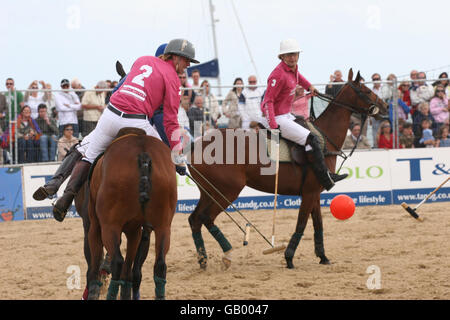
point(94, 290)
point(203, 263)
point(226, 262)
point(289, 263)
point(324, 260)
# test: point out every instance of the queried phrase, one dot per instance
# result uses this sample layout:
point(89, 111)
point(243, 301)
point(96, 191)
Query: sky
point(54, 39)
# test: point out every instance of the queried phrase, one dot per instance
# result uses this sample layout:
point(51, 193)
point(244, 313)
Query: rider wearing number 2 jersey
point(151, 82)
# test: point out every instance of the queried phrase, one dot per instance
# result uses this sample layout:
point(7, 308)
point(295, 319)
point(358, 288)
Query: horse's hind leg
point(214, 230)
point(196, 220)
point(162, 244)
point(318, 233)
point(111, 241)
point(302, 220)
point(139, 260)
point(133, 238)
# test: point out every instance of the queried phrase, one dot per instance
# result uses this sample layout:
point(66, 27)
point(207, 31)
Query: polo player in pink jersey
point(151, 82)
point(276, 107)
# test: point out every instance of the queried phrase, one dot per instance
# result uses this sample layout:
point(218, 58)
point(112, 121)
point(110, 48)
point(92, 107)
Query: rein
point(363, 112)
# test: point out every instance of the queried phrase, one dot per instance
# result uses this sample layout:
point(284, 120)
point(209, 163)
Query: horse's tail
point(145, 183)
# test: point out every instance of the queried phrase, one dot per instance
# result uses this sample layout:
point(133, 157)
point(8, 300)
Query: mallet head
point(411, 211)
point(247, 234)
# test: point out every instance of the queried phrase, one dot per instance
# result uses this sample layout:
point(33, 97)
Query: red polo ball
point(342, 207)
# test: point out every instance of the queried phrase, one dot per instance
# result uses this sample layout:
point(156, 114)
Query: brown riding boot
point(77, 179)
point(63, 172)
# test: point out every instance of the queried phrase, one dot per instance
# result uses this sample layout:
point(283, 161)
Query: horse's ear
point(119, 69)
point(350, 75)
point(358, 78)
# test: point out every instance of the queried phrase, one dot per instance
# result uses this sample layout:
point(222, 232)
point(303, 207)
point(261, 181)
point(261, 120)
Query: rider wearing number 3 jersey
point(151, 82)
point(277, 104)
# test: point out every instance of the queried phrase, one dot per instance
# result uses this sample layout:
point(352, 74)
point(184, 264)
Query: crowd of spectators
point(49, 122)
point(422, 113)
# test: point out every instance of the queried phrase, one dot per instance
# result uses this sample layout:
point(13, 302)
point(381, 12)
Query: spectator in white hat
point(67, 105)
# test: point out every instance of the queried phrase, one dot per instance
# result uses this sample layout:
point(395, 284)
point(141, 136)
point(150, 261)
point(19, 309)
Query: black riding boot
point(76, 181)
point(325, 177)
point(63, 172)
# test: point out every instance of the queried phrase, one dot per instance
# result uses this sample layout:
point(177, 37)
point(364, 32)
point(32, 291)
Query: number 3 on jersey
point(139, 79)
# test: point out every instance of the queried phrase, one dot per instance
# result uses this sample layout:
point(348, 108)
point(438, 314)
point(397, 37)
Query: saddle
point(290, 151)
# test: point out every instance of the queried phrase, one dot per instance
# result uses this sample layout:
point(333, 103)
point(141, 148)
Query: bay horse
point(132, 188)
point(230, 179)
point(81, 205)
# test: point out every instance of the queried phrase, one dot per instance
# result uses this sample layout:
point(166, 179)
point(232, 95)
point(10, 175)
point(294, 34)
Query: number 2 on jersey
point(139, 79)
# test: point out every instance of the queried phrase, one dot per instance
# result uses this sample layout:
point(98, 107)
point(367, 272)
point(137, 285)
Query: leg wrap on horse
point(200, 246)
point(319, 250)
point(94, 289)
point(160, 287)
point(293, 244)
point(218, 235)
point(113, 289)
point(125, 290)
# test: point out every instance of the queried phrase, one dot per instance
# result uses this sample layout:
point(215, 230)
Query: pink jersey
point(280, 92)
point(151, 83)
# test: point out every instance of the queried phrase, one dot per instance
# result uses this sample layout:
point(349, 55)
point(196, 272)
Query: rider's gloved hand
point(180, 164)
point(181, 169)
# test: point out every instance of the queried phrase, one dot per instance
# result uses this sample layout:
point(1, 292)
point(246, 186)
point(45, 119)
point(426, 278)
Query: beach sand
point(412, 259)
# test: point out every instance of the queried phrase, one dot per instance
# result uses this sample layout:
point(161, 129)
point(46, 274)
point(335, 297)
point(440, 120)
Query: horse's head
point(367, 102)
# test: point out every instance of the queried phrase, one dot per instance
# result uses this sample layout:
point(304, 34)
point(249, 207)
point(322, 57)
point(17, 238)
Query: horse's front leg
point(302, 220)
point(319, 249)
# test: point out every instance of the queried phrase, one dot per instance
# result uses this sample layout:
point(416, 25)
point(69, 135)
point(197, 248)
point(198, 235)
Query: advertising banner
point(11, 201)
point(415, 174)
point(376, 177)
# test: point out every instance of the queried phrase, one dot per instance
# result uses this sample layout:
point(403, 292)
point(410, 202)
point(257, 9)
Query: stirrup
point(329, 183)
point(338, 177)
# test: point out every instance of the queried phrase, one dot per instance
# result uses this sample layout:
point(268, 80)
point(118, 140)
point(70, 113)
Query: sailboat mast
point(216, 56)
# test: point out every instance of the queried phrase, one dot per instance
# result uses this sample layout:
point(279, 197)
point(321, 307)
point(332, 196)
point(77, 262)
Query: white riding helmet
point(289, 46)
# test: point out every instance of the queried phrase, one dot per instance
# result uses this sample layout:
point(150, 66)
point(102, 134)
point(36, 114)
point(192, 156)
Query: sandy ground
point(413, 258)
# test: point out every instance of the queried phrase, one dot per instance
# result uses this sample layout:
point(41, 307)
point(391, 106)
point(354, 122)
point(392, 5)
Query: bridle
point(373, 110)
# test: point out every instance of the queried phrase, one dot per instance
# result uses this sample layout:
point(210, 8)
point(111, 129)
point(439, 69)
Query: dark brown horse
point(230, 179)
point(133, 187)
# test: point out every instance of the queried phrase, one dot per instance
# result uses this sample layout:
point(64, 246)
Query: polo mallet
point(249, 224)
point(281, 247)
point(247, 233)
point(221, 207)
point(413, 212)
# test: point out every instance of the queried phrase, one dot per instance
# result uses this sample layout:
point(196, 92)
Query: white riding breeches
point(289, 129)
point(106, 131)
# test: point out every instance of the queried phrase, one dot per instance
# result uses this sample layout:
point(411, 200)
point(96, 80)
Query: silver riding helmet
point(183, 48)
